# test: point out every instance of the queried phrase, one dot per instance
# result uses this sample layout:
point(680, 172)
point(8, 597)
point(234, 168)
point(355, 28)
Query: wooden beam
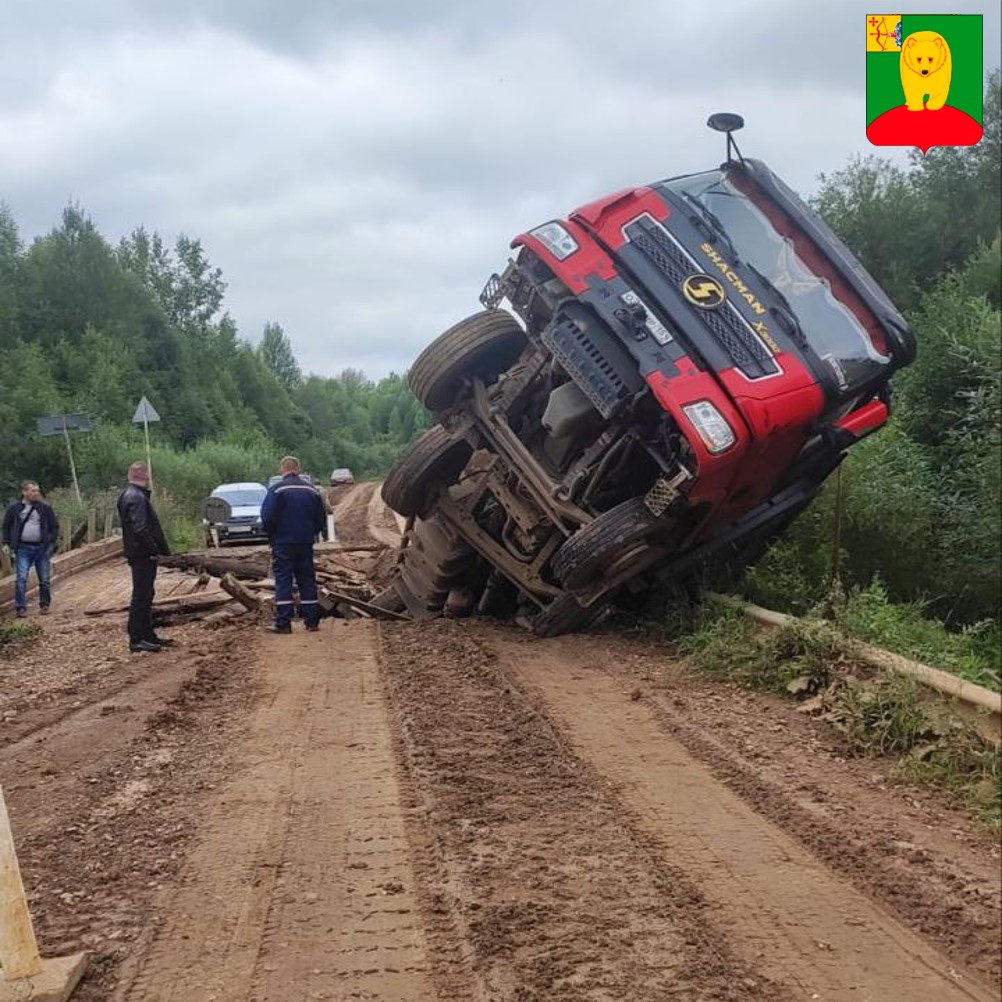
point(240, 592)
point(258, 566)
point(169, 603)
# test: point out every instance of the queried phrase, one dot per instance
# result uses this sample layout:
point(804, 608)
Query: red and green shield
point(924, 80)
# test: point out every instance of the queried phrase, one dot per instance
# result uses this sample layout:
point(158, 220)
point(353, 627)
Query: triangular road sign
point(145, 412)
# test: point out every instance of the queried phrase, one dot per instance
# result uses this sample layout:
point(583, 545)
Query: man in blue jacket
point(31, 531)
point(293, 514)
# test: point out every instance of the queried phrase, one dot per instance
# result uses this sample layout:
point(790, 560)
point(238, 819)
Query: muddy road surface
point(455, 811)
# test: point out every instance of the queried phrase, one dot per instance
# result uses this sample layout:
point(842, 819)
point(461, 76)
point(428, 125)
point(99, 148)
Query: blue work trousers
point(32, 555)
point(295, 561)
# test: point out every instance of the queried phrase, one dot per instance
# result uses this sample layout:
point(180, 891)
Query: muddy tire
point(482, 346)
point(431, 463)
point(565, 615)
point(606, 545)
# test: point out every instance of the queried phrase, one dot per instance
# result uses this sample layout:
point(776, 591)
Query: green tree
point(276, 353)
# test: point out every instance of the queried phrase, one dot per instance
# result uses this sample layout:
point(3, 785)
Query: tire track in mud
point(301, 886)
point(932, 867)
point(103, 814)
point(381, 522)
point(351, 515)
point(780, 908)
point(529, 855)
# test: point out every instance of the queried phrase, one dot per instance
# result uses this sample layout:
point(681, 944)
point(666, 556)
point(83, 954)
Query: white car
point(234, 512)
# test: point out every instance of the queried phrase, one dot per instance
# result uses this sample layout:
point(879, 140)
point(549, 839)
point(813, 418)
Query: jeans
point(291, 561)
point(33, 555)
point(144, 574)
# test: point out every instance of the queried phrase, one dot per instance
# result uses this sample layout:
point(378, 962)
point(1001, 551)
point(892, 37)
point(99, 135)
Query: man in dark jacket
point(31, 531)
point(293, 514)
point(143, 541)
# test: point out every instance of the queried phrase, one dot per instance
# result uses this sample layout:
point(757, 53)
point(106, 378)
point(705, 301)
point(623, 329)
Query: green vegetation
point(87, 327)
point(877, 713)
point(919, 534)
point(13, 632)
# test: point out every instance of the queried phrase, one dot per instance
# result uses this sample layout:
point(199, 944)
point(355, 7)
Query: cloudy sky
point(357, 170)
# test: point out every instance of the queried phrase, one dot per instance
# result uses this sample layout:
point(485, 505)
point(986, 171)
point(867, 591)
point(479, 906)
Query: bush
point(878, 713)
point(972, 652)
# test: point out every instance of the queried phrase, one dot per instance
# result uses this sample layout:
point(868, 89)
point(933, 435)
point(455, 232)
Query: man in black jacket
point(143, 541)
point(31, 531)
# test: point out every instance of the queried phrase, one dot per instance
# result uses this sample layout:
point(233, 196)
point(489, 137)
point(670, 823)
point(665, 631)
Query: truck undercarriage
point(678, 370)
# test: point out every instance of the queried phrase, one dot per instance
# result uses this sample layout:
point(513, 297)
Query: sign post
point(63, 424)
point(145, 413)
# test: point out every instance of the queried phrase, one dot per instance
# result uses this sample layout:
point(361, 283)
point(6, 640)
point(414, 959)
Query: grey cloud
point(357, 171)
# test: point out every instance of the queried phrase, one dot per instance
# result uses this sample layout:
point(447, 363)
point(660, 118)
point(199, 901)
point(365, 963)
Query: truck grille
point(593, 360)
point(729, 329)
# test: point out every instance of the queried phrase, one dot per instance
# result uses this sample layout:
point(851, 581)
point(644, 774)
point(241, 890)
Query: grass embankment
point(877, 713)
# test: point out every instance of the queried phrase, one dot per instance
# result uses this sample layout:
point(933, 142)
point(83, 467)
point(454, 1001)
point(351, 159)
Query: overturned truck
point(657, 386)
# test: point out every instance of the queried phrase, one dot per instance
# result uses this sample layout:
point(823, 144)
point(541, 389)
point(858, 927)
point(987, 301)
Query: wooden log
point(92, 526)
point(202, 583)
point(240, 592)
point(267, 584)
point(6, 565)
point(109, 520)
point(245, 568)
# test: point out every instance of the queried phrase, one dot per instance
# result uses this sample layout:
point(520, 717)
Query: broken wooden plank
point(373, 610)
point(175, 603)
point(225, 615)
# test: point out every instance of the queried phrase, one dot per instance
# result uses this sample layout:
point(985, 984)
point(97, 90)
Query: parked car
point(342, 475)
point(234, 512)
point(679, 368)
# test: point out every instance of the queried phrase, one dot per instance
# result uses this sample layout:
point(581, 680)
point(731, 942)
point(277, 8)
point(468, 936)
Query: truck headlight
point(716, 433)
point(555, 239)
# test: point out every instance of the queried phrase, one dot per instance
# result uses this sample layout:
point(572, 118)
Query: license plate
point(655, 328)
point(239, 528)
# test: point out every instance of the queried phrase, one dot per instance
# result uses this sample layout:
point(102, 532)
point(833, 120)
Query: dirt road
point(456, 811)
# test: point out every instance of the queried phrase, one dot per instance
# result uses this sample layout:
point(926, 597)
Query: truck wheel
point(431, 463)
point(482, 346)
point(607, 545)
point(565, 615)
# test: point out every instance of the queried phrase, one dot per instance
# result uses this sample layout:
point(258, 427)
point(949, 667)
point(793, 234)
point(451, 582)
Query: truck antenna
point(727, 121)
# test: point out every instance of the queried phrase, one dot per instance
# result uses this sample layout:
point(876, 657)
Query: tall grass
point(183, 479)
point(878, 713)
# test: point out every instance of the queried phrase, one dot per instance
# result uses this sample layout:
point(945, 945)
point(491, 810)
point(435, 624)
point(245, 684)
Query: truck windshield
point(832, 330)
